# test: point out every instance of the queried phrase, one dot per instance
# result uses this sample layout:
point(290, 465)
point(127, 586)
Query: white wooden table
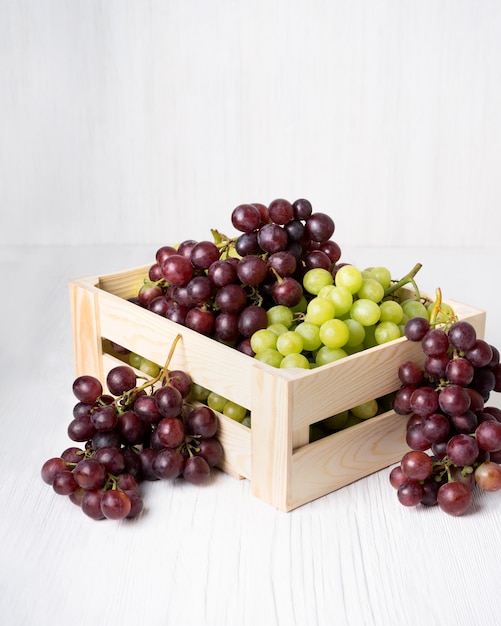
point(215, 555)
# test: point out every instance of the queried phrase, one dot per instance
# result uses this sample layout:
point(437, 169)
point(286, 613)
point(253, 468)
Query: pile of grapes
point(278, 291)
point(136, 432)
point(454, 436)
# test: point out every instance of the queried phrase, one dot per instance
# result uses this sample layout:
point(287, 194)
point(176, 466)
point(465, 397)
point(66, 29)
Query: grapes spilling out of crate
point(139, 429)
point(278, 290)
point(454, 435)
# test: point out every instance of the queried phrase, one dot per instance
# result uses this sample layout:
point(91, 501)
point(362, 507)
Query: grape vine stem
point(408, 278)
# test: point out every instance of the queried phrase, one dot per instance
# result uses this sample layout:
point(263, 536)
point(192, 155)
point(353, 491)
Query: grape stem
point(408, 278)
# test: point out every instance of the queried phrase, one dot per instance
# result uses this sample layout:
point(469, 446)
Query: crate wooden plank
point(344, 457)
point(87, 346)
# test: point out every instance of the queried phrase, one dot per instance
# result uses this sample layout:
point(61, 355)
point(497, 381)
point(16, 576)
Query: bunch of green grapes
point(342, 313)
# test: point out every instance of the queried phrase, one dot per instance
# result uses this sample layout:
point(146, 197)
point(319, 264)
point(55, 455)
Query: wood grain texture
point(144, 122)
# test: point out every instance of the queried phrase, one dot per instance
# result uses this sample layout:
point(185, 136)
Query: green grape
point(371, 289)
point(270, 357)
point(445, 314)
point(354, 349)
point(216, 402)
point(290, 343)
point(365, 311)
point(334, 333)
point(278, 329)
point(325, 291)
point(149, 367)
point(315, 279)
point(310, 334)
point(234, 411)
point(391, 311)
point(295, 360)
point(366, 410)
point(336, 422)
point(135, 360)
point(329, 355)
point(357, 332)
point(199, 393)
point(263, 339)
point(352, 420)
point(370, 337)
point(246, 421)
point(320, 310)
point(386, 331)
point(280, 314)
point(342, 298)
point(414, 308)
point(382, 275)
point(350, 277)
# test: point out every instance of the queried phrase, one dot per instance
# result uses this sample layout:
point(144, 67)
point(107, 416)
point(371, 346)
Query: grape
point(462, 449)
point(397, 477)
point(436, 427)
point(289, 342)
point(201, 320)
point(488, 476)
point(454, 498)
point(252, 319)
point(167, 463)
point(462, 335)
point(416, 328)
point(87, 389)
point(316, 278)
point(146, 409)
point(435, 343)
point(465, 423)
point(211, 450)
point(196, 470)
point(177, 269)
point(136, 503)
point(430, 492)
point(131, 428)
point(226, 327)
point(203, 254)
point(111, 459)
point(287, 292)
point(231, 299)
point(319, 227)
point(295, 360)
point(169, 401)
point(316, 259)
point(247, 243)
point(234, 411)
point(416, 465)
point(222, 273)
point(115, 504)
point(401, 402)
point(284, 263)
point(280, 211)
point(148, 292)
point(436, 366)
point(81, 428)
point(410, 493)
point(302, 209)
point(202, 421)
point(246, 218)
point(350, 277)
point(459, 371)
point(272, 238)
point(409, 373)
point(120, 379)
point(488, 436)
point(90, 474)
point(331, 249)
point(480, 354)
point(391, 311)
point(334, 333)
point(105, 417)
point(386, 331)
point(319, 310)
point(170, 432)
point(199, 290)
point(295, 231)
point(252, 269)
point(416, 439)
point(454, 400)
point(365, 311)
point(91, 504)
point(424, 401)
point(51, 467)
point(159, 305)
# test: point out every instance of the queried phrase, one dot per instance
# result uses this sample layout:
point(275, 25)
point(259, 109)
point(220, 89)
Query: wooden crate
point(285, 470)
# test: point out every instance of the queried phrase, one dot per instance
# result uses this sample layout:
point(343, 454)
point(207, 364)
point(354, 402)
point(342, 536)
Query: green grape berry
point(295, 360)
point(320, 310)
point(342, 298)
point(270, 357)
point(234, 411)
point(386, 331)
point(280, 314)
point(366, 410)
point(371, 289)
point(414, 308)
point(365, 311)
point(334, 333)
point(356, 331)
point(310, 334)
point(216, 402)
point(263, 339)
point(315, 279)
point(289, 343)
point(329, 355)
point(350, 277)
point(391, 311)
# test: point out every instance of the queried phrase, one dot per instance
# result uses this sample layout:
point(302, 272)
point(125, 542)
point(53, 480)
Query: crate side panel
point(211, 364)
point(124, 284)
point(344, 457)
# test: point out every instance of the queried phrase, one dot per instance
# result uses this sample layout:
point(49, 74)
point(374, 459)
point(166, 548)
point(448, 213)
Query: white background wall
point(147, 121)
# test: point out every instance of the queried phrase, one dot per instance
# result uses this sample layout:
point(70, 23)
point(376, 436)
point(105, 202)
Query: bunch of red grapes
point(223, 288)
point(131, 434)
point(454, 436)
